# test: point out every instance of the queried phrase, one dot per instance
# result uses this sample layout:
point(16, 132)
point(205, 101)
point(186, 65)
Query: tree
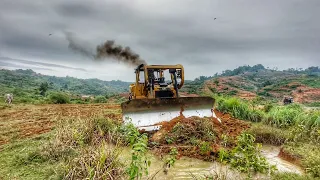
point(43, 88)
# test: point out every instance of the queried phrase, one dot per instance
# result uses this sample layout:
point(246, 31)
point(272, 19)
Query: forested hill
point(28, 81)
point(257, 81)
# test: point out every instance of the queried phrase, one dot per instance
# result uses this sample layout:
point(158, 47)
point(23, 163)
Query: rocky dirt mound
point(198, 137)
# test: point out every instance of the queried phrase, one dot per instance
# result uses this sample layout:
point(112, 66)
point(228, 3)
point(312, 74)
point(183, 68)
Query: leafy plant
point(224, 156)
point(225, 140)
point(139, 145)
point(205, 147)
point(245, 156)
point(170, 161)
point(169, 140)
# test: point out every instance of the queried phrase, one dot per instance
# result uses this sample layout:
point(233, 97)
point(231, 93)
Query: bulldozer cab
point(157, 81)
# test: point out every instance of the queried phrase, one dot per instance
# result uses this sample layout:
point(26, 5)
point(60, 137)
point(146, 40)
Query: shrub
point(264, 93)
point(245, 156)
point(59, 98)
point(100, 99)
point(232, 92)
point(216, 82)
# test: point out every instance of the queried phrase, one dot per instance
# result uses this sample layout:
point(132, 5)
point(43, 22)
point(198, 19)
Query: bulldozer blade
point(149, 113)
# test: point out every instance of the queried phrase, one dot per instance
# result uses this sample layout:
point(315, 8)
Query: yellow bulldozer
point(155, 98)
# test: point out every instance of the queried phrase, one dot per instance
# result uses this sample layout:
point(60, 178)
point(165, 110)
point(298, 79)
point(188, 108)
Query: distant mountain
point(249, 82)
point(28, 81)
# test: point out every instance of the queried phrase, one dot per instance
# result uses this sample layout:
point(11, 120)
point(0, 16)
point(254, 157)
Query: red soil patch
point(305, 94)
point(126, 95)
point(246, 95)
point(289, 157)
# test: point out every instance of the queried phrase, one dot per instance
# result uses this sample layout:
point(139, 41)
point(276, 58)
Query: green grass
point(268, 135)
point(65, 152)
point(21, 160)
point(283, 116)
point(291, 176)
point(313, 104)
point(309, 155)
point(239, 109)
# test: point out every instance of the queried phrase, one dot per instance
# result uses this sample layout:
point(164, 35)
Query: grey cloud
point(274, 33)
point(12, 65)
point(5, 59)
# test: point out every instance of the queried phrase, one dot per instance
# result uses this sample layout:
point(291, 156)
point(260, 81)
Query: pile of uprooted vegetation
point(197, 137)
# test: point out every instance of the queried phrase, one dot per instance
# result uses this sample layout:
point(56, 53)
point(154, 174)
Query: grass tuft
point(268, 135)
point(102, 162)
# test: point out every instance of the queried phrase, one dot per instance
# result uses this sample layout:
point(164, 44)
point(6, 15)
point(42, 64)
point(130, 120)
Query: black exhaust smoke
point(104, 51)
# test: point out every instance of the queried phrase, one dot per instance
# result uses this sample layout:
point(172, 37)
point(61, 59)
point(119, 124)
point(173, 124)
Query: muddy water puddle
point(191, 168)
point(271, 154)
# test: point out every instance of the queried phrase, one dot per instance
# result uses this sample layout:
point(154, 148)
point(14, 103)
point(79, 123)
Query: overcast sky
point(275, 33)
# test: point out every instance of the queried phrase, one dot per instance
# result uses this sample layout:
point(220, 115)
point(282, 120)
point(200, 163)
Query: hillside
point(28, 81)
point(249, 82)
point(245, 82)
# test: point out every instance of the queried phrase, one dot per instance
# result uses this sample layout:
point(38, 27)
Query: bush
point(100, 99)
point(59, 98)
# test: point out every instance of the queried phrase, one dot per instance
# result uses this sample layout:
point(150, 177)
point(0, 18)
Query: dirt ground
point(21, 121)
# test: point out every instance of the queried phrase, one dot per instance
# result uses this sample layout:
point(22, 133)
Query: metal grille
point(163, 94)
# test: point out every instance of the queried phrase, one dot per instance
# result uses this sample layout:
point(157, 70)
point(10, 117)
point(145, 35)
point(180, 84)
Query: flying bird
point(214, 18)
point(50, 34)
